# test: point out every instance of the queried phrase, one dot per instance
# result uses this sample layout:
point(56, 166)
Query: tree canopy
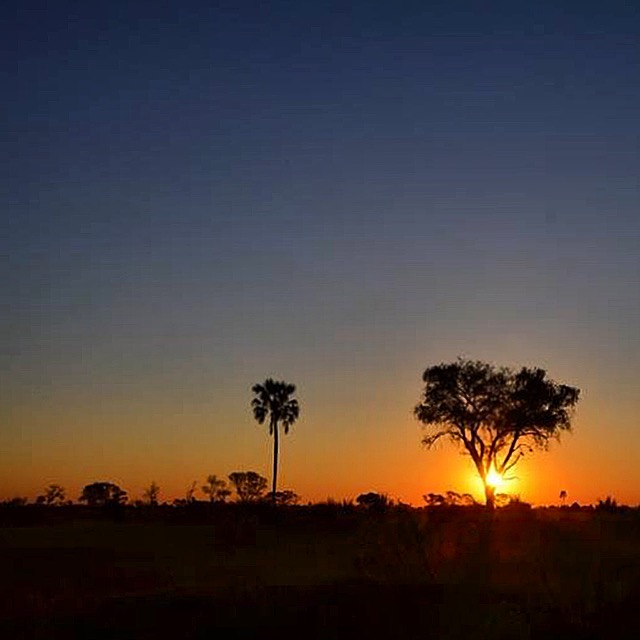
point(496, 414)
point(54, 494)
point(249, 485)
point(216, 489)
point(103, 494)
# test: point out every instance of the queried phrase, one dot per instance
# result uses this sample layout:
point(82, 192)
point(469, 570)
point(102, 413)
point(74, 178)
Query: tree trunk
point(275, 463)
point(490, 495)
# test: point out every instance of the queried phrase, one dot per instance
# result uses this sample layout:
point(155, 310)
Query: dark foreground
point(319, 573)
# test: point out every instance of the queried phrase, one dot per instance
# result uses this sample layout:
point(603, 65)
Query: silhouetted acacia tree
point(100, 494)
point(216, 489)
point(495, 414)
point(272, 399)
point(249, 485)
point(53, 494)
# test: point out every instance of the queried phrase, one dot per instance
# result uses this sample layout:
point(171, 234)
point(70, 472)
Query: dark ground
point(318, 573)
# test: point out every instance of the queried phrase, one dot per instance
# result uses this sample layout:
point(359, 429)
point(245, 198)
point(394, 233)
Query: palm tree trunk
point(275, 462)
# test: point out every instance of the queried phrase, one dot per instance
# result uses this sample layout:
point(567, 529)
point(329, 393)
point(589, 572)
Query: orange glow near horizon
point(336, 450)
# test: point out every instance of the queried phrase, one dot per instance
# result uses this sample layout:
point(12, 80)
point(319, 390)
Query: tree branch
point(510, 452)
point(512, 464)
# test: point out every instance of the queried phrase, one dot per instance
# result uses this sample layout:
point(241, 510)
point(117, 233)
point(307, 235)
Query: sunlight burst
point(494, 479)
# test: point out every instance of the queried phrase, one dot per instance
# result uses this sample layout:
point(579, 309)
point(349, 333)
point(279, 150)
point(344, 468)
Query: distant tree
point(286, 498)
point(495, 414)
point(54, 494)
point(216, 489)
point(272, 399)
point(459, 499)
point(608, 504)
point(190, 496)
point(374, 501)
point(101, 494)
point(15, 502)
point(249, 485)
point(151, 494)
point(434, 499)
point(563, 496)
point(449, 499)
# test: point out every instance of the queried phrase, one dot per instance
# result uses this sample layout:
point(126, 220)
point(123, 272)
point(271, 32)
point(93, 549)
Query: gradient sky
point(198, 195)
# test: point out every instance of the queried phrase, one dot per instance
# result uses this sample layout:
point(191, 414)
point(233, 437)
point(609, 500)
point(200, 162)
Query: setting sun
point(494, 479)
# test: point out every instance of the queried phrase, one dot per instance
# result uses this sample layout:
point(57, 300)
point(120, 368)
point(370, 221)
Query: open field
point(332, 572)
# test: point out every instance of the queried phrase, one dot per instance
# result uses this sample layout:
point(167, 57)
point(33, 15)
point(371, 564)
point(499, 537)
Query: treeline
point(250, 488)
point(242, 487)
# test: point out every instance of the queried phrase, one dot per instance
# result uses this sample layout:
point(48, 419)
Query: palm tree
point(272, 399)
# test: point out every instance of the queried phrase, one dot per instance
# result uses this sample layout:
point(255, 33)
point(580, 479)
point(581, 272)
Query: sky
point(196, 196)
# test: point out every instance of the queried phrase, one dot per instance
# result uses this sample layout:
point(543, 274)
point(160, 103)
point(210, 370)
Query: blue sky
point(198, 195)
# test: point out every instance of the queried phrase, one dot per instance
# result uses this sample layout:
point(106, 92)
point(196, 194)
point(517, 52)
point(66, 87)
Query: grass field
point(442, 573)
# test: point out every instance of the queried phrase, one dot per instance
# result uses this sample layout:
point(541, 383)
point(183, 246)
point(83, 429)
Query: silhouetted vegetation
point(151, 494)
point(286, 498)
point(216, 489)
point(609, 504)
point(374, 501)
point(449, 499)
point(248, 485)
point(495, 414)
point(272, 399)
point(190, 495)
point(53, 495)
point(18, 501)
point(102, 494)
